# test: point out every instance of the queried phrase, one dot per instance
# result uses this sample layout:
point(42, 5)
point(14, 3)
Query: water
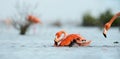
point(39, 44)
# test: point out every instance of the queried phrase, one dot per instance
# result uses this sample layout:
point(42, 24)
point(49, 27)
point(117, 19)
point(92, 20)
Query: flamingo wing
point(67, 41)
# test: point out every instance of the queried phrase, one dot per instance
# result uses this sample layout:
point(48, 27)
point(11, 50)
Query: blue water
point(39, 44)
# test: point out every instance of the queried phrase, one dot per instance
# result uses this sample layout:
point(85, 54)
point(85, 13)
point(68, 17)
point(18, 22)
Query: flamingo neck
point(62, 38)
point(65, 34)
point(113, 19)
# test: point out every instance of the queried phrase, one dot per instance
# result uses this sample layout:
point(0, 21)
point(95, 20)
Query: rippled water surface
point(38, 44)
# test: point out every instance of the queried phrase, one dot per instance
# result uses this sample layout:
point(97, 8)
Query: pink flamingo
point(69, 39)
point(109, 23)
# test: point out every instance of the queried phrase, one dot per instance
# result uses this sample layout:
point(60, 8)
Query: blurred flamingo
point(69, 39)
point(109, 23)
point(34, 20)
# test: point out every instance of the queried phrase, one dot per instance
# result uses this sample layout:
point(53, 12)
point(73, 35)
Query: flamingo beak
point(105, 35)
point(55, 41)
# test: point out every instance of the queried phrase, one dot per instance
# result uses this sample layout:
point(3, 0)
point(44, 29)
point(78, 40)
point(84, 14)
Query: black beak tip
point(55, 43)
point(105, 35)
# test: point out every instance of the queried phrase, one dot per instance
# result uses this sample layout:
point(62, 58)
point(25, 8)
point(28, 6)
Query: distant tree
point(89, 20)
point(20, 20)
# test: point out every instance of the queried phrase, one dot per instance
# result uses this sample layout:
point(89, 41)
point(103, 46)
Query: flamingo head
point(59, 36)
point(106, 28)
point(56, 41)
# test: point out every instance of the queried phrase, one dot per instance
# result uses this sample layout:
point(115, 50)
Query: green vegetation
point(89, 20)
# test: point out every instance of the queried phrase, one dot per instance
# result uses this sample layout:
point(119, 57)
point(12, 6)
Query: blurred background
point(61, 13)
point(85, 17)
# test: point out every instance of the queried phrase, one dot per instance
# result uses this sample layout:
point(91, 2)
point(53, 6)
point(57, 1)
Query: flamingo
point(109, 23)
point(33, 19)
point(69, 39)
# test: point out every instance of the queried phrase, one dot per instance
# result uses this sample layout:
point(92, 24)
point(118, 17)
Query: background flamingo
point(34, 20)
point(109, 23)
point(69, 39)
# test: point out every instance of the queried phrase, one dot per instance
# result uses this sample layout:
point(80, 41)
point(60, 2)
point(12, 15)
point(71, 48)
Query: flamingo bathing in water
point(109, 23)
point(69, 39)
